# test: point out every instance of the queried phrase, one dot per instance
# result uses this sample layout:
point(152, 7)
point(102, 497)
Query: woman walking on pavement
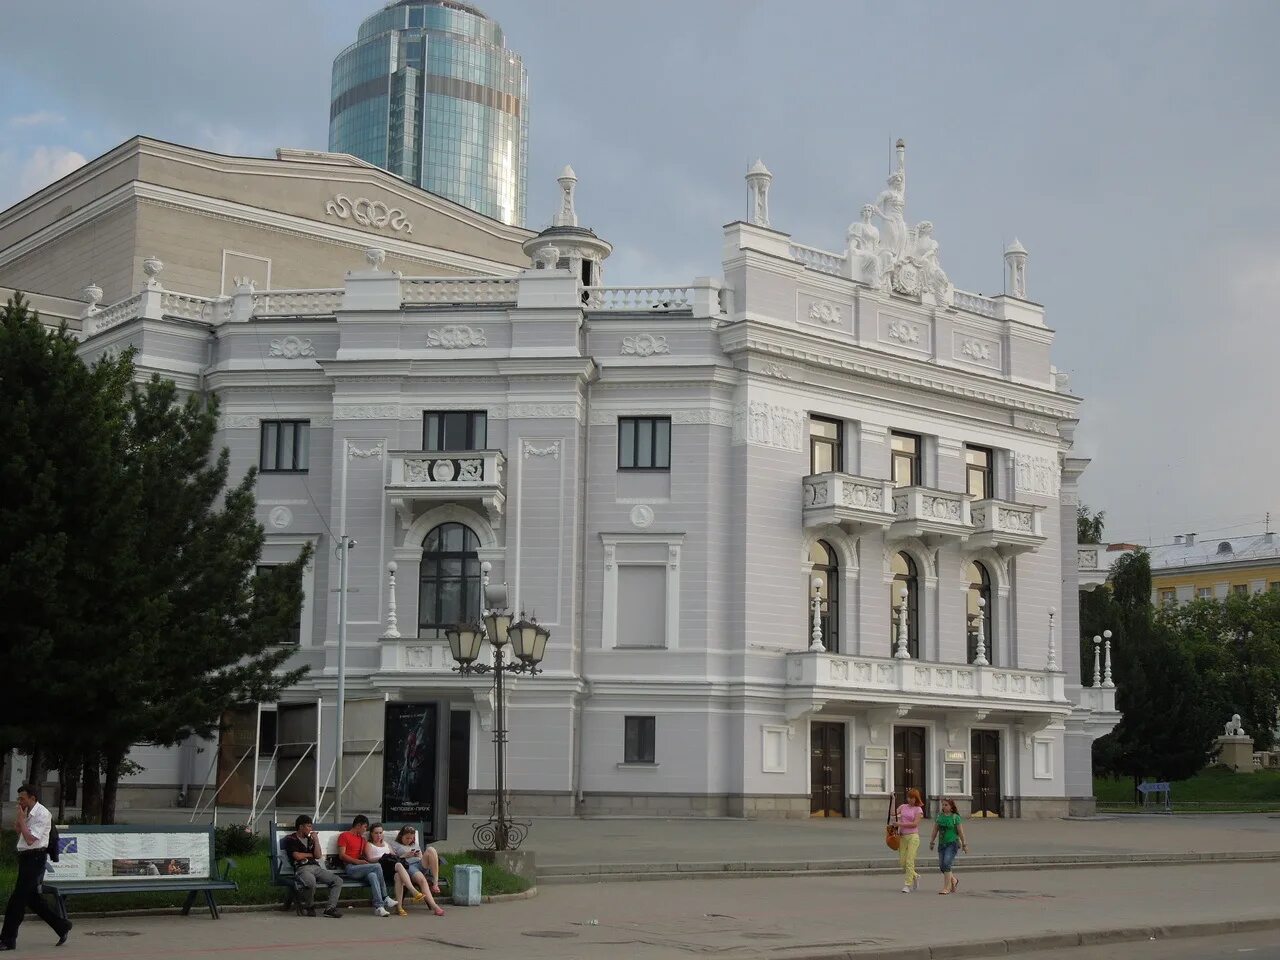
point(950, 825)
point(908, 824)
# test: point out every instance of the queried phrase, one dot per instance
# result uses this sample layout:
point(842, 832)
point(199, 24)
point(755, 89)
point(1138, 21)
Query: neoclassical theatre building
point(803, 533)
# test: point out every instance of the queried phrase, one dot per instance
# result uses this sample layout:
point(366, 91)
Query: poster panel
point(414, 775)
point(130, 856)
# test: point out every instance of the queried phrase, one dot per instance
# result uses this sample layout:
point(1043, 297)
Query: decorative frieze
point(291, 348)
point(769, 425)
point(251, 421)
point(644, 345)
point(456, 336)
point(825, 312)
point(1038, 475)
point(368, 411)
point(365, 453)
point(368, 213)
point(552, 450)
point(903, 332)
point(696, 416)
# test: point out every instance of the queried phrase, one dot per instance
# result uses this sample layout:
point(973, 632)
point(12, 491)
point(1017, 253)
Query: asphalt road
point(1247, 946)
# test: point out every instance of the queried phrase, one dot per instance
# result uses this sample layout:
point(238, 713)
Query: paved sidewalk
point(750, 919)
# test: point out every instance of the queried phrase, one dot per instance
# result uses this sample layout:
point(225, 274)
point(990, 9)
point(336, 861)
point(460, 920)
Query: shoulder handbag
point(891, 838)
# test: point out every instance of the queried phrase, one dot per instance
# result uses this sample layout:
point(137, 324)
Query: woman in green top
point(950, 825)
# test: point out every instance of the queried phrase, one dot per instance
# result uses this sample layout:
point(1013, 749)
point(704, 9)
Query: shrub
point(233, 840)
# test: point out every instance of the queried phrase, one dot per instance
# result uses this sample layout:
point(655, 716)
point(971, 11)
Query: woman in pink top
point(908, 823)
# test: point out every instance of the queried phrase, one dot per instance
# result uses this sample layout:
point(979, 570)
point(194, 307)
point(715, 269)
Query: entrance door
point(826, 767)
point(459, 760)
point(909, 769)
point(985, 774)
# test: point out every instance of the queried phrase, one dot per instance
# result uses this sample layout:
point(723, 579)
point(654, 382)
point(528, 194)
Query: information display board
point(415, 771)
point(90, 855)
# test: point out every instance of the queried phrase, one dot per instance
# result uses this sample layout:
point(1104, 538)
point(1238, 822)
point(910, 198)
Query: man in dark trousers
point(33, 824)
point(303, 850)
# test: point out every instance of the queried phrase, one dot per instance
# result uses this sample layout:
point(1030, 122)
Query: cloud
point(45, 165)
point(40, 118)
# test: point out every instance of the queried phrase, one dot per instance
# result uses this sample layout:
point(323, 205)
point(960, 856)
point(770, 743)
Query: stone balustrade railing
point(924, 503)
point(822, 261)
point(417, 655)
point(298, 303)
point(114, 315)
point(927, 680)
point(639, 299)
point(454, 291)
point(976, 303)
point(1002, 516)
point(186, 306)
point(419, 469)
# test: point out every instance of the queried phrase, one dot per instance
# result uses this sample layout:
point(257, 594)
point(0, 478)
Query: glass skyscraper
point(430, 92)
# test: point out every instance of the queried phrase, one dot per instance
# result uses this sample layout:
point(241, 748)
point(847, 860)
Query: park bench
point(137, 859)
point(326, 835)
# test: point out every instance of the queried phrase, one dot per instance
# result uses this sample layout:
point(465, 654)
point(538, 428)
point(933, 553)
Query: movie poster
point(410, 770)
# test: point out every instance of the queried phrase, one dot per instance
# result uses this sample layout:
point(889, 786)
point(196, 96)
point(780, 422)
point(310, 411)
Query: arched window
point(449, 579)
point(979, 587)
point(904, 575)
point(826, 567)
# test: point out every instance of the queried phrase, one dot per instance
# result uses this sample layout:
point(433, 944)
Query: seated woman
point(377, 851)
point(427, 878)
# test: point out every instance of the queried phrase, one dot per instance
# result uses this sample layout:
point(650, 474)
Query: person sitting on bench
point(357, 867)
point(308, 871)
point(423, 865)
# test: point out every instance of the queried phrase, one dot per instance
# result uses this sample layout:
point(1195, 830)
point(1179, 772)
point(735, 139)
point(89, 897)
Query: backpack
point(52, 852)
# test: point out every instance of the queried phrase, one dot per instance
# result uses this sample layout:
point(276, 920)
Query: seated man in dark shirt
point(301, 849)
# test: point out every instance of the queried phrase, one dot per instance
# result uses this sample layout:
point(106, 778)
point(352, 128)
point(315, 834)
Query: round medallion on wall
point(641, 515)
point(280, 517)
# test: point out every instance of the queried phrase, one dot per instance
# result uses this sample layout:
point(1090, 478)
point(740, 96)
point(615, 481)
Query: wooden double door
point(910, 763)
point(984, 772)
point(826, 769)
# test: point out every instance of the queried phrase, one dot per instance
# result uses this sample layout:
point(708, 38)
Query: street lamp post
point(528, 640)
point(815, 642)
point(1106, 653)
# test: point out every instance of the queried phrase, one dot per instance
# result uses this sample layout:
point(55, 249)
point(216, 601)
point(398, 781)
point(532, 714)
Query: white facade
point(682, 592)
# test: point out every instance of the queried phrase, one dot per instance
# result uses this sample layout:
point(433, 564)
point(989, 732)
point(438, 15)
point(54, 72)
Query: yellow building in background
point(1190, 568)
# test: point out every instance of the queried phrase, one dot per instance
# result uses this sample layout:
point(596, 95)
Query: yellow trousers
point(908, 847)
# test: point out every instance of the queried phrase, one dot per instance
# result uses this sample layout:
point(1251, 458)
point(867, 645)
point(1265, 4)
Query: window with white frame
point(641, 590)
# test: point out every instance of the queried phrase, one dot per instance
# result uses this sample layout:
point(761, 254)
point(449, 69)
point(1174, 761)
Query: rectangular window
point(978, 462)
point(294, 635)
point(638, 747)
point(825, 447)
point(285, 446)
point(268, 730)
point(1168, 597)
point(1275, 586)
point(1240, 589)
point(642, 605)
point(1204, 593)
point(906, 459)
point(455, 430)
point(644, 443)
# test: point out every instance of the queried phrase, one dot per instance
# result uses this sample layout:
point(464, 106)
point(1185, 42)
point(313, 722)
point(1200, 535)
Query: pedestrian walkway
point(748, 919)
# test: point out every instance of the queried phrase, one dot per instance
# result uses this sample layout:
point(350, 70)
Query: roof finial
point(758, 180)
point(566, 216)
point(1015, 263)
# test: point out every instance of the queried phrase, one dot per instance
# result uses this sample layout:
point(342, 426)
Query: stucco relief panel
point(901, 333)
point(982, 351)
point(767, 424)
point(816, 310)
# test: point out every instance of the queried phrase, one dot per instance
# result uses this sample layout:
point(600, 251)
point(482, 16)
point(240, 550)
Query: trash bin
point(466, 885)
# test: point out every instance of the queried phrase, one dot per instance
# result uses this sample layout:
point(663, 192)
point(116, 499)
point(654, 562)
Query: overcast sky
point(1134, 148)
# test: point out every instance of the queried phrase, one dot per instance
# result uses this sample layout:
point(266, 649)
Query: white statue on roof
point(906, 258)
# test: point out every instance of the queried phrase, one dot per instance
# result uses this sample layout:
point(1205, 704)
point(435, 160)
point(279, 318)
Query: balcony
point(934, 516)
point(881, 679)
point(855, 504)
point(1008, 528)
point(426, 478)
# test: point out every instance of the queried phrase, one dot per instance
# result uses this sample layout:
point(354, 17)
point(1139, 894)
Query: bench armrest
point(227, 867)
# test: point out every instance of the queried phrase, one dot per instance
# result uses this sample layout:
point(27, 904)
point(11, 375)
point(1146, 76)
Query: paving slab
point(735, 919)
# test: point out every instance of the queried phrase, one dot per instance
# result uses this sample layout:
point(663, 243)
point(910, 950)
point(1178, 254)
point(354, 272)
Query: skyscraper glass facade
point(430, 92)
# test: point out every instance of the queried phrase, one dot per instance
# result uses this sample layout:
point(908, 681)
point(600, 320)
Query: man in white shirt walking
point(33, 824)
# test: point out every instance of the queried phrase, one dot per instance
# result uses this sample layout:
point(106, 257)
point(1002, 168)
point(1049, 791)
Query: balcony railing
point(844, 675)
point(421, 476)
point(452, 291)
point(822, 261)
point(932, 515)
point(853, 503)
point(1009, 528)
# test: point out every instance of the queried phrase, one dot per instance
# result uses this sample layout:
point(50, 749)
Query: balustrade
point(453, 291)
point(639, 299)
point(821, 261)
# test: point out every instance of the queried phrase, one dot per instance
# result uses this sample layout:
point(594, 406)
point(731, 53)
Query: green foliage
point(1089, 526)
point(1215, 787)
point(129, 559)
point(234, 840)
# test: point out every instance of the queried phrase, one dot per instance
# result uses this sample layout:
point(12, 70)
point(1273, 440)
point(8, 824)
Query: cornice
point(747, 337)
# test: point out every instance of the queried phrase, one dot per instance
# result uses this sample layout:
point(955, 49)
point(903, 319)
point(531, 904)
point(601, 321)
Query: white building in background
point(803, 533)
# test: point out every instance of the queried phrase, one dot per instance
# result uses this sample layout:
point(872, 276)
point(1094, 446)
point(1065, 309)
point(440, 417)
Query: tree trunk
point(114, 760)
point(91, 790)
point(68, 785)
point(35, 773)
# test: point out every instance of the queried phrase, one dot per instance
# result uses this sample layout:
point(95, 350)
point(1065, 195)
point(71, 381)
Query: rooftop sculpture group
point(897, 257)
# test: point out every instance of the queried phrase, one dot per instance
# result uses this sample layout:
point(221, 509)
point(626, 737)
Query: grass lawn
point(252, 872)
point(1213, 789)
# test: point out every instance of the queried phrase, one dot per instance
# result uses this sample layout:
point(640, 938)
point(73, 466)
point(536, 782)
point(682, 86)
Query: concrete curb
point(619, 872)
point(1034, 943)
point(268, 907)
